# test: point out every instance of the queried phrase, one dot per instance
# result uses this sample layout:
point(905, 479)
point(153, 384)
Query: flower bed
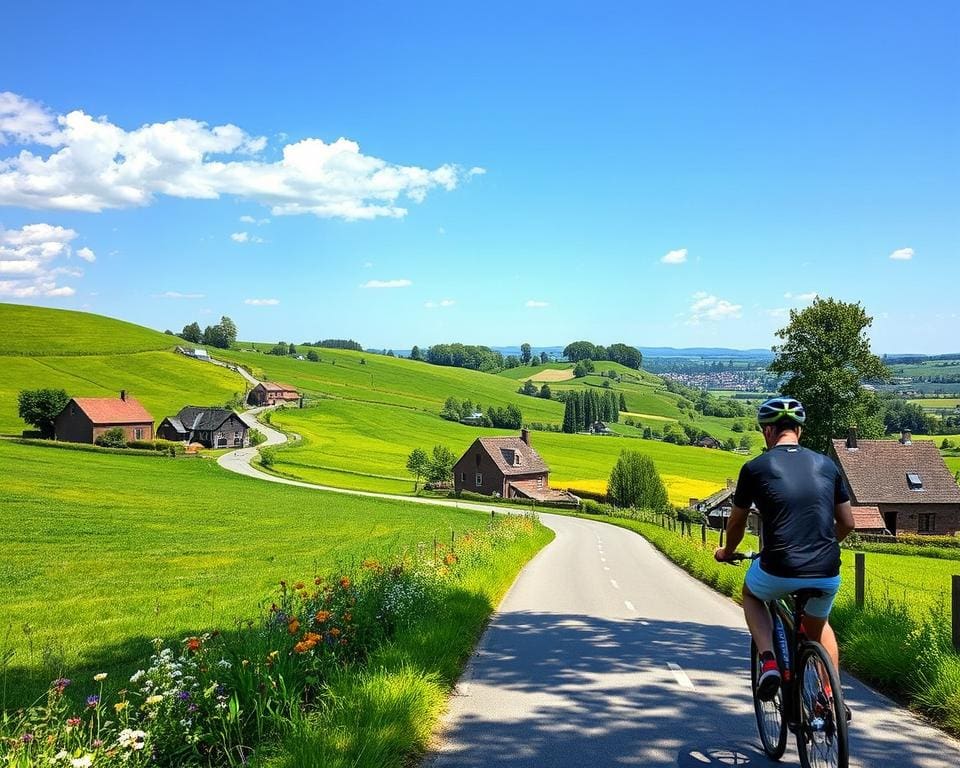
point(212, 699)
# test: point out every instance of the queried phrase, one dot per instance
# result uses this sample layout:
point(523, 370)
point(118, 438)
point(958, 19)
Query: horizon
point(656, 175)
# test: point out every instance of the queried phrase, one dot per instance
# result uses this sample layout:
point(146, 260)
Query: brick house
point(903, 484)
point(212, 427)
point(508, 467)
point(272, 393)
point(84, 419)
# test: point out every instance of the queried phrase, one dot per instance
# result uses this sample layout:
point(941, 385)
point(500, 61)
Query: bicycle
point(810, 700)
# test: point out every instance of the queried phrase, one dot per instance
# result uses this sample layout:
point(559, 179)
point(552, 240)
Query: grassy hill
point(100, 553)
point(94, 356)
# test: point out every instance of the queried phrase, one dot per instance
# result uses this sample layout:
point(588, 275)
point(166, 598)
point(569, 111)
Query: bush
point(635, 482)
point(256, 437)
point(112, 438)
point(268, 456)
point(594, 495)
point(160, 446)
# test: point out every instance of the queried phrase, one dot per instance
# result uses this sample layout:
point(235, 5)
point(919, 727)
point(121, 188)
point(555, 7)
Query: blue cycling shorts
point(766, 587)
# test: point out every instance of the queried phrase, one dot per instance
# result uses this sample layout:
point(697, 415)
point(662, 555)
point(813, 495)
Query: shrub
point(112, 438)
point(160, 446)
point(256, 437)
point(635, 482)
point(268, 456)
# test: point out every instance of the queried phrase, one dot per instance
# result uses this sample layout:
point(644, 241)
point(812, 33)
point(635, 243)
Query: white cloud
point(708, 307)
point(252, 220)
point(442, 304)
point(178, 295)
point(262, 302)
point(402, 283)
point(902, 254)
point(368, 265)
point(678, 256)
point(245, 237)
point(801, 298)
point(95, 165)
point(32, 259)
point(476, 171)
point(534, 304)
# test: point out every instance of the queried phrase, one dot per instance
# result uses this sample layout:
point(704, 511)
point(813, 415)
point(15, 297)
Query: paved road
point(606, 654)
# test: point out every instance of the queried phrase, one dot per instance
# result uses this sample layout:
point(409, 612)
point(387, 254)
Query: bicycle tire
point(773, 738)
point(831, 736)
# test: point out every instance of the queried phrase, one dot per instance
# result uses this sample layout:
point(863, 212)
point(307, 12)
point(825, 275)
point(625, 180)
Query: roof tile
point(113, 410)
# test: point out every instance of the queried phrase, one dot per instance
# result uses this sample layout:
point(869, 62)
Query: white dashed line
point(681, 677)
point(629, 606)
point(606, 567)
point(603, 559)
point(645, 623)
point(614, 584)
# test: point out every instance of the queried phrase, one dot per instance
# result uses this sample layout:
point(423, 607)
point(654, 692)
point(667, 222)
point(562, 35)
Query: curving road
point(604, 653)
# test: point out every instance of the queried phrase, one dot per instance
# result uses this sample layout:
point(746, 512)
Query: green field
point(99, 553)
point(93, 356)
point(937, 403)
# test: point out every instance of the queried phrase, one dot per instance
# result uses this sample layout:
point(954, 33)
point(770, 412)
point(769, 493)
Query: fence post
point(860, 577)
point(956, 611)
point(703, 534)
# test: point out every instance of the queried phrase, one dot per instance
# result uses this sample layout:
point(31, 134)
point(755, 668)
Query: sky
point(669, 174)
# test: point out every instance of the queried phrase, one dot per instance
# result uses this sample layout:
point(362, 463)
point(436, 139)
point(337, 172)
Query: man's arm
point(843, 514)
point(736, 527)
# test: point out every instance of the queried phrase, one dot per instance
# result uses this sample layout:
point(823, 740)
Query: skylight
point(914, 481)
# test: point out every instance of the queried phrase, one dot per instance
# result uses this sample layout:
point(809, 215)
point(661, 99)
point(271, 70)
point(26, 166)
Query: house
point(709, 442)
point(199, 354)
point(271, 393)
point(600, 428)
point(211, 427)
point(508, 467)
point(84, 419)
point(903, 484)
point(474, 419)
point(716, 508)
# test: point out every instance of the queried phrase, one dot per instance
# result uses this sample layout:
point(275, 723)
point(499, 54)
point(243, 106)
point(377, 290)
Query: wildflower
point(348, 616)
point(100, 677)
point(73, 722)
point(130, 739)
point(120, 706)
point(60, 684)
point(155, 699)
point(137, 676)
point(298, 586)
point(81, 762)
point(26, 738)
point(193, 644)
point(304, 646)
point(335, 632)
point(345, 582)
point(272, 657)
point(92, 701)
point(321, 616)
point(294, 626)
point(318, 581)
point(183, 695)
point(245, 663)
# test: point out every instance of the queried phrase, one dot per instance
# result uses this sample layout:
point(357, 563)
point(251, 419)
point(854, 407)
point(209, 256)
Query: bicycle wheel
point(771, 722)
point(822, 730)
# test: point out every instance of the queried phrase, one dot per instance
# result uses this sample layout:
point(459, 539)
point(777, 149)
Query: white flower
point(137, 676)
point(224, 664)
point(100, 677)
point(131, 739)
point(155, 699)
point(82, 762)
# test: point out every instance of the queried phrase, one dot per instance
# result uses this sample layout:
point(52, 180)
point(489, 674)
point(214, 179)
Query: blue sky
point(672, 174)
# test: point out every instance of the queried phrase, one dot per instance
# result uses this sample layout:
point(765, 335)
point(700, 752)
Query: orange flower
point(335, 632)
point(294, 626)
point(321, 616)
point(348, 617)
point(450, 558)
point(304, 646)
point(298, 586)
point(312, 637)
point(193, 644)
point(345, 582)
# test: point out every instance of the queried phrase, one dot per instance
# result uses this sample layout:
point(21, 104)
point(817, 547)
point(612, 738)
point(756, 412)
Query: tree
point(580, 369)
point(40, 407)
point(625, 355)
point(229, 330)
point(569, 415)
point(745, 443)
point(213, 337)
point(826, 357)
point(112, 438)
point(623, 402)
point(292, 349)
point(545, 392)
point(635, 482)
point(417, 465)
point(528, 388)
point(440, 465)
point(730, 444)
point(544, 359)
point(525, 353)
point(192, 333)
point(415, 353)
point(580, 350)
point(512, 361)
point(451, 410)
point(280, 349)
point(312, 356)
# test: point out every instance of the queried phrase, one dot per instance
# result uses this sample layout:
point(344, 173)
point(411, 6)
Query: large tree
point(192, 333)
point(825, 358)
point(525, 353)
point(418, 464)
point(635, 482)
point(40, 407)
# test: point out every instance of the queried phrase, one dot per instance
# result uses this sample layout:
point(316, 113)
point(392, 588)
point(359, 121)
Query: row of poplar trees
point(587, 406)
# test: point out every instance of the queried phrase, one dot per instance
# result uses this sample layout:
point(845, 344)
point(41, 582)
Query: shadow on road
point(571, 690)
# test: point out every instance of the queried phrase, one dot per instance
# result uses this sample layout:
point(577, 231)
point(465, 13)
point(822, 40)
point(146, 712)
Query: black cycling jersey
point(796, 491)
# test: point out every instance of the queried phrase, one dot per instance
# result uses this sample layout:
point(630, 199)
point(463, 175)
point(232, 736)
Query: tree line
point(631, 357)
point(582, 408)
point(510, 417)
point(222, 335)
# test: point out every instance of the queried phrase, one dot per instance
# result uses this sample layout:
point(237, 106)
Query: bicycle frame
point(790, 614)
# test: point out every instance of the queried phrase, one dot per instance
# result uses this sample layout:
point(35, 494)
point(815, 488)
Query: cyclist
point(805, 513)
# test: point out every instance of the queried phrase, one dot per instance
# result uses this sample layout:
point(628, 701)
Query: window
point(914, 481)
point(237, 440)
point(479, 479)
point(463, 477)
point(138, 433)
point(540, 482)
point(926, 522)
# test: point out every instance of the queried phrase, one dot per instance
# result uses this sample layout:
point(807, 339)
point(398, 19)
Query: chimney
point(123, 394)
point(906, 437)
point(525, 435)
point(852, 439)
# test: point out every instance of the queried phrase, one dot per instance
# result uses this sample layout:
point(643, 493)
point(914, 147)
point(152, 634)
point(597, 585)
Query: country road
point(604, 653)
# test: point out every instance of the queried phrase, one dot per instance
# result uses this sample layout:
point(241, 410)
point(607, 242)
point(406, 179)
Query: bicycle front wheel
point(822, 730)
point(770, 716)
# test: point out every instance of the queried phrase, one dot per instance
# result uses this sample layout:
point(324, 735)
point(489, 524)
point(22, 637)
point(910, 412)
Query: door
point(890, 521)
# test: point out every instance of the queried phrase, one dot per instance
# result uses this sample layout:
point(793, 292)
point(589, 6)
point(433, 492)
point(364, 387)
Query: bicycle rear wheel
point(771, 722)
point(822, 730)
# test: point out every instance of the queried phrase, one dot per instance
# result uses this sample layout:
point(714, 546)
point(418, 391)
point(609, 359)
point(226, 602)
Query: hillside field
point(93, 356)
point(100, 553)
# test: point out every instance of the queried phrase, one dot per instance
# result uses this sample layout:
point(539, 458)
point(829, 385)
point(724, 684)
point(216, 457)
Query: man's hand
point(721, 555)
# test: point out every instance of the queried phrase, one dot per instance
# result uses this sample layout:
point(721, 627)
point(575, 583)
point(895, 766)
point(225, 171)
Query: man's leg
point(821, 631)
point(759, 622)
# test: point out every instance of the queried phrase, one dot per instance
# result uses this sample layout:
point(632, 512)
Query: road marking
point(645, 623)
point(681, 677)
point(603, 559)
point(629, 606)
point(606, 567)
point(614, 583)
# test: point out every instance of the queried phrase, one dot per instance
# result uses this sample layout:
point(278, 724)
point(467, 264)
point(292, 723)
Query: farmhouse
point(84, 419)
point(198, 353)
point(212, 427)
point(508, 467)
point(271, 393)
point(716, 508)
point(709, 442)
point(903, 485)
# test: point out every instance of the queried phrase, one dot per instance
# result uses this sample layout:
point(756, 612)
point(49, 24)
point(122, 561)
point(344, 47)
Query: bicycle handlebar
point(737, 557)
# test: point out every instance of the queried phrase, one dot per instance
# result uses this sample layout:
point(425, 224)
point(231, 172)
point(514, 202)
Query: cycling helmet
point(781, 409)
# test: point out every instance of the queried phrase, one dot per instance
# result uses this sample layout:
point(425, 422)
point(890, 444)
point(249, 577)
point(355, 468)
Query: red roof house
point(271, 393)
point(83, 419)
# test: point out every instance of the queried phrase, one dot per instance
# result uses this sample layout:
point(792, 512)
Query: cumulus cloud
point(178, 295)
point(262, 302)
point(94, 164)
point(678, 256)
point(902, 254)
point(245, 237)
point(252, 220)
point(801, 298)
point(535, 304)
point(476, 171)
point(442, 304)
point(402, 283)
point(711, 308)
point(34, 257)
point(87, 255)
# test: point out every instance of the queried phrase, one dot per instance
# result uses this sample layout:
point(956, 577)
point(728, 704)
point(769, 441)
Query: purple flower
point(192, 708)
point(26, 738)
point(183, 695)
point(60, 684)
point(93, 701)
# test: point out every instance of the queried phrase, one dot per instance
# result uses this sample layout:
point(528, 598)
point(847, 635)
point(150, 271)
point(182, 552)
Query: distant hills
point(700, 352)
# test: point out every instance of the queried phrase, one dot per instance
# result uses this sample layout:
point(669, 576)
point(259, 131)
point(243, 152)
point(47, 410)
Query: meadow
point(101, 553)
